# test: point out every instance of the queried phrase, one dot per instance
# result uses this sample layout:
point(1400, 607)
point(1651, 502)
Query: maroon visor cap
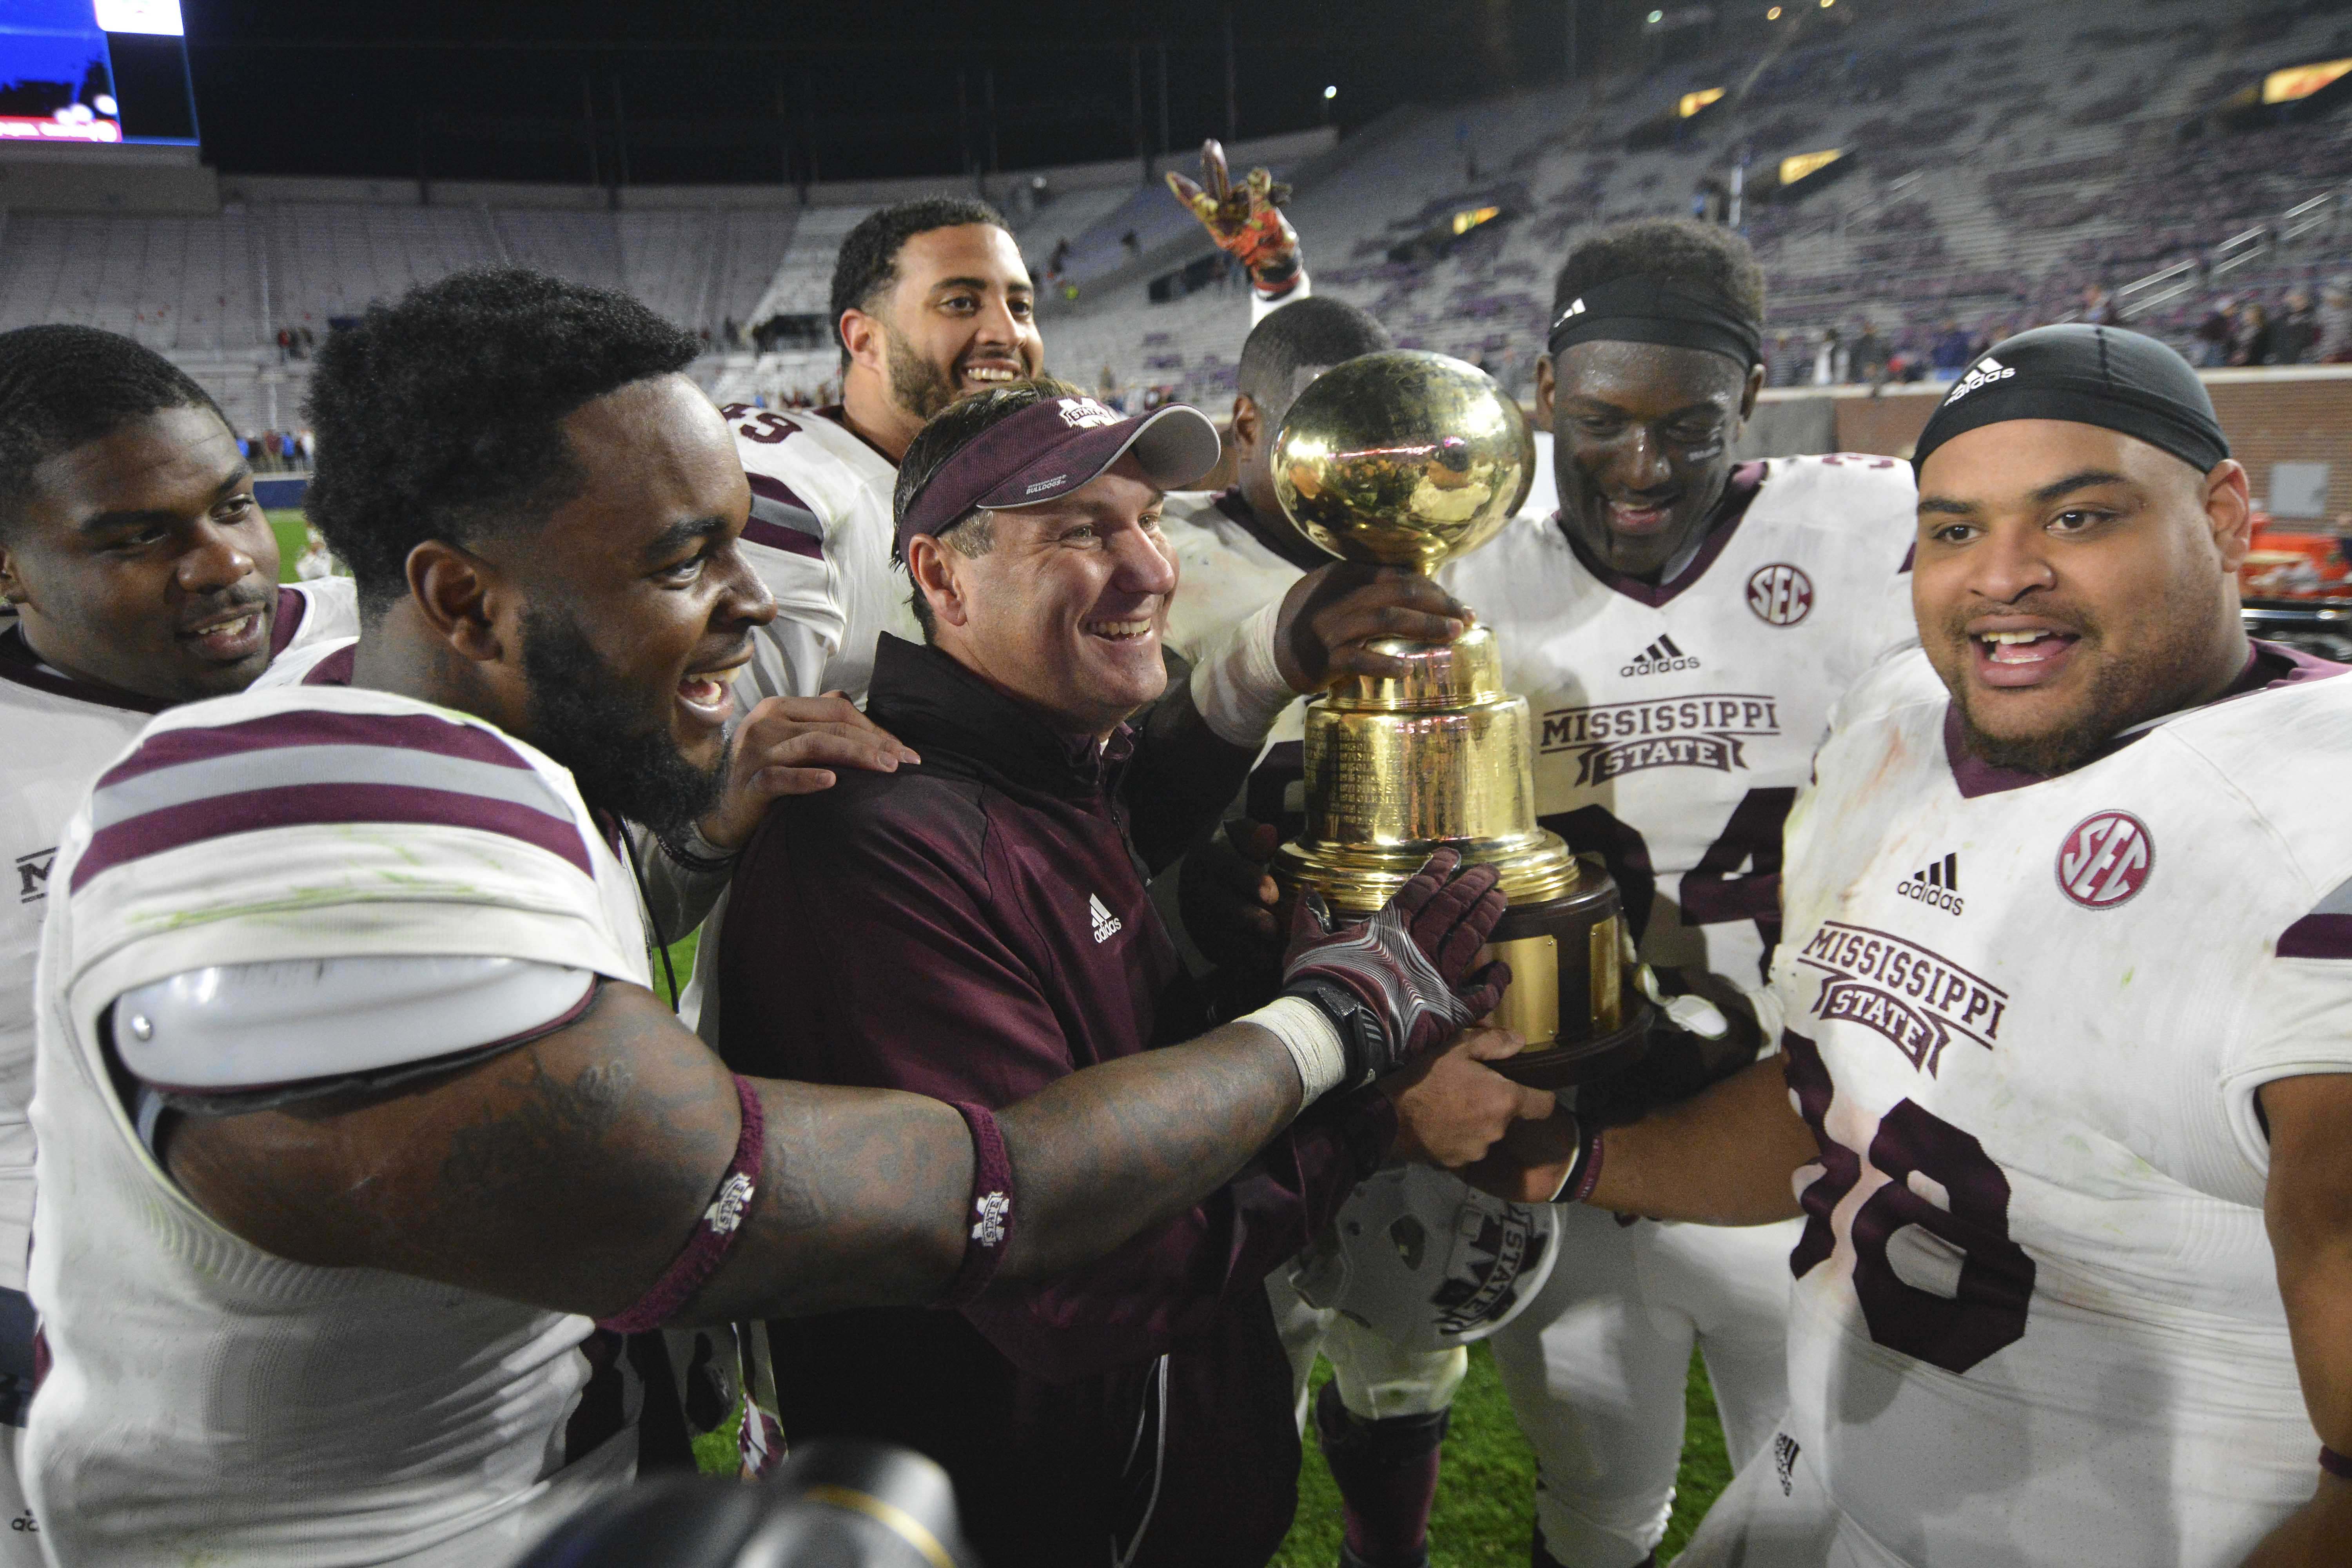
point(1051, 448)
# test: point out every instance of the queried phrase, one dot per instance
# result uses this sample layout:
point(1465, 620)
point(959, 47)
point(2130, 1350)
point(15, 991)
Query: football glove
point(1244, 220)
point(1403, 981)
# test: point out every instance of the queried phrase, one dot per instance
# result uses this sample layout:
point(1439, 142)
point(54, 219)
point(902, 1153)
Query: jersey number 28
point(1943, 1211)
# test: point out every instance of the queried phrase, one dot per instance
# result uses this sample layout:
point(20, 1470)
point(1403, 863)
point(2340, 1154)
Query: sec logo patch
point(2105, 859)
point(1781, 594)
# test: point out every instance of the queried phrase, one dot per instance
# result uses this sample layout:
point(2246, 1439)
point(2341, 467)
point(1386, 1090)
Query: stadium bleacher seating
point(2007, 159)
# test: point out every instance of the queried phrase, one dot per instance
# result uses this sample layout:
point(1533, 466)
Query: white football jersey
point(820, 538)
point(61, 732)
point(1674, 721)
point(2037, 1321)
point(208, 1401)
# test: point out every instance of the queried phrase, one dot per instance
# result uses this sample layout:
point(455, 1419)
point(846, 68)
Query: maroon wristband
point(1585, 1174)
point(992, 1206)
point(715, 1237)
point(2335, 1464)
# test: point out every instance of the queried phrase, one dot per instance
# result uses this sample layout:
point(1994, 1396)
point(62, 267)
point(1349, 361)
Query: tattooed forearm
point(1109, 1152)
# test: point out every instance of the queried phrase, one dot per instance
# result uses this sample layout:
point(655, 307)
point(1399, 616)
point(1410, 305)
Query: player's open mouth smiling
point(990, 371)
point(2017, 655)
point(709, 694)
point(1644, 516)
point(230, 635)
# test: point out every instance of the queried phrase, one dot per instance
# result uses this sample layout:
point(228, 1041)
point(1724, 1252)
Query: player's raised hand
point(793, 745)
point(1331, 613)
point(1244, 220)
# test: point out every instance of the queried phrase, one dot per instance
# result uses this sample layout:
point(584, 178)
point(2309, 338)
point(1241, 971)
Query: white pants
point(1376, 1379)
point(1776, 1516)
point(1596, 1369)
point(20, 1537)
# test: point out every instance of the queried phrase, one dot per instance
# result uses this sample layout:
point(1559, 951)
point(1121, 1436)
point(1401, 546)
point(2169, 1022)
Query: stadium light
point(1330, 92)
point(1827, 4)
point(1773, 15)
point(1656, 17)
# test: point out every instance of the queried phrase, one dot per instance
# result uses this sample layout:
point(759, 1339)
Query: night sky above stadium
point(769, 90)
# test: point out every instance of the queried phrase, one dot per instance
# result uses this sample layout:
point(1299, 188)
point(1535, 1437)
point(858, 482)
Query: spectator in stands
point(1952, 351)
point(2256, 341)
point(1057, 263)
point(2297, 329)
point(2216, 334)
point(1869, 356)
point(2098, 306)
point(1830, 360)
point(2335, 321)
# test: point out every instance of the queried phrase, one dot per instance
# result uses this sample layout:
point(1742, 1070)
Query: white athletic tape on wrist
point(1313, 1041)
point(1238, 686)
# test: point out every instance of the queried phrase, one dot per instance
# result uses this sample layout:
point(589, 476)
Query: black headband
point(1637, 310)
point(2084, 375)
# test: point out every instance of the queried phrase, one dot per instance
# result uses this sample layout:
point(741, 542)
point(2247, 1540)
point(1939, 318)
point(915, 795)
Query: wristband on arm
point(715, 1237)
point(1584, 1171)
point(990, 1235)
point(1238, 686)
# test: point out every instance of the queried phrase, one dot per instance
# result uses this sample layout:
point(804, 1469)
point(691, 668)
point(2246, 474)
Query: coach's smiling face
point(2072, 581)
point(610, 636)
point(1065, 606)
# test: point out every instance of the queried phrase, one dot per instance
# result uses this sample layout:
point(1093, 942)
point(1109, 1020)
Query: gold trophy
point(1407, 458)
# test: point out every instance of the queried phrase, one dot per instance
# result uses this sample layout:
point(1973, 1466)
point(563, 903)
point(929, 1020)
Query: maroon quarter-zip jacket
point(974, 928)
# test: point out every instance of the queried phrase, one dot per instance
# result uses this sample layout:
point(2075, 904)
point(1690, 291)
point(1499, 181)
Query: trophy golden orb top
point(1403, 458)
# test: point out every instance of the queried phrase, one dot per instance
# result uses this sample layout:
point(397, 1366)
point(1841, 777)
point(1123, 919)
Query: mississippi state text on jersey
point(819, 539)
point(2036, 1318)
point(207, 1400)
point(1691, 706)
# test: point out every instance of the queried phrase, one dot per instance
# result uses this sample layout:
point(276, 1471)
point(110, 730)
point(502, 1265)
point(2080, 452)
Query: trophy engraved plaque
point(1408, 459)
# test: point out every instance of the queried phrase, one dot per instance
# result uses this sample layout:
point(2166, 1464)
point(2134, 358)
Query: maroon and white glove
point(1402, 982)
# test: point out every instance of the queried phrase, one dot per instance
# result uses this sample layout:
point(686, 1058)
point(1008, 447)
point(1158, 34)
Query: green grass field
point(287, 524)
point(1485, 1516)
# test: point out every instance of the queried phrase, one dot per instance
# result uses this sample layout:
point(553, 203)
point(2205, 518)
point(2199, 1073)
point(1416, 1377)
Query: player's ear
point(933, 568)
point(1543, 391)
point(2230, 513)
point(451, 588)
point(861, 334)
point(1747, 397)
point(1248, 428)
point(12, 588)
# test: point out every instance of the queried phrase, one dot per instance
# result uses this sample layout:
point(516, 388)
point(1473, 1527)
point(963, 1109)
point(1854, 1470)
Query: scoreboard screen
point(94, 72)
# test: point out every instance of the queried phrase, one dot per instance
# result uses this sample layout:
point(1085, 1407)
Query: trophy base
point(1562, 937)
point(1582, 1061)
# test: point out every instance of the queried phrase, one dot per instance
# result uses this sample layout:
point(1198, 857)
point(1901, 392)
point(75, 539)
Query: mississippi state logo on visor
point(2105, 859)
point(1781, 594)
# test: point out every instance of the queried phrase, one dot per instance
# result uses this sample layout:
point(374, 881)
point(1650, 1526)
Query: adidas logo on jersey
point(1107, 924)
point(1988, 371)
point(1938, 886)
point(1660, 657)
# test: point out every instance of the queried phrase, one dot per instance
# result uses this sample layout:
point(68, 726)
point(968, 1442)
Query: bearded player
point(2073, 1148)
point(931, 302)
point(352, 1091)
point(139, 573)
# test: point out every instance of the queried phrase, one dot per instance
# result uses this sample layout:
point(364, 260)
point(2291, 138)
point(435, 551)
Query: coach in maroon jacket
point(976, 927)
